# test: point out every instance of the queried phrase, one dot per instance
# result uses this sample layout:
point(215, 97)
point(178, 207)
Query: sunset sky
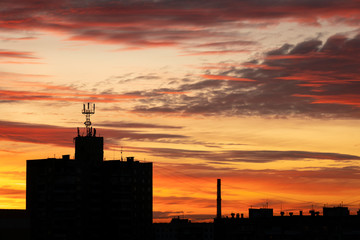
point(262, 94)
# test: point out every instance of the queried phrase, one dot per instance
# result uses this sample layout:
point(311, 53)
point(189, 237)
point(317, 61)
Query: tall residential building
point(87, 197)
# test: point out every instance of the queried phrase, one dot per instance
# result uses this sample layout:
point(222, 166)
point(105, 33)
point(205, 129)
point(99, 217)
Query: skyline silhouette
point(89, 197)
point(261, 94)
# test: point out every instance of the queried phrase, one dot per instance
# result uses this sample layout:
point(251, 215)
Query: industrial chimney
point(218, 205)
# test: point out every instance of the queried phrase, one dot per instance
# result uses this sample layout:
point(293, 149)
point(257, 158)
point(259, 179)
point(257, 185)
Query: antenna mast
point(121, 153)
point(88, 110)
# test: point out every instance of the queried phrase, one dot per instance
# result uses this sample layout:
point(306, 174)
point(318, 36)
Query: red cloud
point(222, 157)
point(234, 65)
point(44, 134)
point(5, 54)
point(160, 23)
point(222, 77)
point(8, 95)
point(277, 57)
point(15, 54)
point(218, 52)
point(62, 136)
point(262, 66)
point(344, 99)
point(316, 78)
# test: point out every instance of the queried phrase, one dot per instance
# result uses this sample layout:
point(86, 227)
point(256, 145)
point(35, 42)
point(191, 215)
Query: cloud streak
point(62, 136)
point(16, 54)
point(123, 124)
point(234, 156)
point(8, 192)
point(79, 96)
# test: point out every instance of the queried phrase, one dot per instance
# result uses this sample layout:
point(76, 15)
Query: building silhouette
point(87, 197)
point(14, 224)
point(183, 229)
point(290, 227)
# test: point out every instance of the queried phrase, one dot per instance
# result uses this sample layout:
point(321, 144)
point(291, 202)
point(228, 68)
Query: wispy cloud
point(15, 78)
point(123, 124)
point(225, 77)
point(16, 54)
point(8, 192)
point(62, 136)
point(18, 57)
point(233, 156)
point(64, 95)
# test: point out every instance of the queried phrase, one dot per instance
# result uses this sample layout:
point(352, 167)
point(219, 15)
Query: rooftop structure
point(87, 197)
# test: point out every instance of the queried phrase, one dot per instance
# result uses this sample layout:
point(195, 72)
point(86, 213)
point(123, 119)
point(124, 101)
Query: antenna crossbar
point(88, 109)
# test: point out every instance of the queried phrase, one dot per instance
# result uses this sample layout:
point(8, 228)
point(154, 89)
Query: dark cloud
point(166, 215)
point(164, 23)
point(306, 47)
point(122, 124)
point(194, 217)
point(232, 156)
point(227, 44)
point(62, 136)
point(312, 78)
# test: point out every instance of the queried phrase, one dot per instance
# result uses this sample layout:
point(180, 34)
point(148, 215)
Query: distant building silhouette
point(14, 224)
point(88, 198)
point(260, 213)
point(335, 223)
point(183, 229)
point(289, 227)
point(336, 212)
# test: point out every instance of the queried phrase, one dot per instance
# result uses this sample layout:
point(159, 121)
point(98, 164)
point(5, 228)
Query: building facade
point(88, 198)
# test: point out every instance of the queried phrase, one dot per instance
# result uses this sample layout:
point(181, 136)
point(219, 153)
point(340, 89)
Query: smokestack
point(218, 215)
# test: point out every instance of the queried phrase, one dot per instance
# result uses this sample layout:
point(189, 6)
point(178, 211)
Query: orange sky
point(264, 95)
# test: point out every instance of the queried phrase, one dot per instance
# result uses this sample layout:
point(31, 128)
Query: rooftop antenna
point(88, 110)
